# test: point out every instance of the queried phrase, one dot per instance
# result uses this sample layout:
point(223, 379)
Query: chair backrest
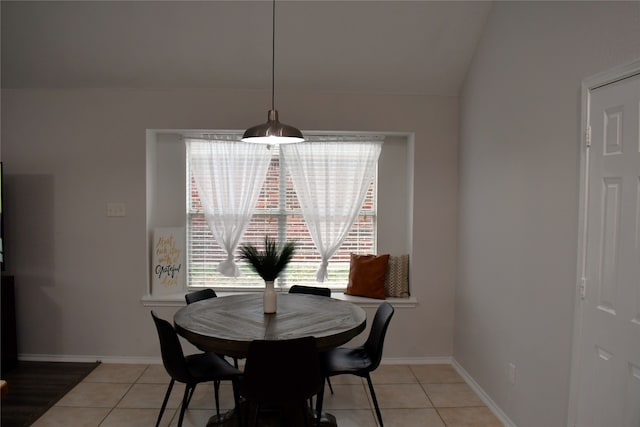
point(282, 372)
point(171, 349)
point(199, 295)
point(375, 341)
point(313, 290)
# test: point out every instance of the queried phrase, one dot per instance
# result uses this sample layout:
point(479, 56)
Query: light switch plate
point(116, 209)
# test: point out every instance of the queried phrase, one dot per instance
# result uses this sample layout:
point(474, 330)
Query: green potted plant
point(268, 263)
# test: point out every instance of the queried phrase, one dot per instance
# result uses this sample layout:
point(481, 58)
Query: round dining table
point(227, 325)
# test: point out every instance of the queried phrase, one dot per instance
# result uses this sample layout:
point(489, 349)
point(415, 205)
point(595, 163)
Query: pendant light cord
point(273, 56)
point(273, 132)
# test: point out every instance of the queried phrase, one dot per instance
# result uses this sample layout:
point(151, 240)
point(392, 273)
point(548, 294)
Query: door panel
point(609, 373)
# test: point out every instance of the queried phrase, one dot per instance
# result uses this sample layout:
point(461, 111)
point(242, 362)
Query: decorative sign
point(168, 267)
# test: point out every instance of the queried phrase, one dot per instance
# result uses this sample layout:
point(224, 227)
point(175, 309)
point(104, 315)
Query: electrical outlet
point(511, 373)
point(116, 209)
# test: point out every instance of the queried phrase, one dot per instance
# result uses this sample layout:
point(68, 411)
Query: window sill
point(177, 300)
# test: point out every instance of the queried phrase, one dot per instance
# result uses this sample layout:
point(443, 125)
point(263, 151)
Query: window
point(278, 214)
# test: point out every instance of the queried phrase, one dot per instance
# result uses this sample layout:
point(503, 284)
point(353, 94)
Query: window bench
point(177, 299)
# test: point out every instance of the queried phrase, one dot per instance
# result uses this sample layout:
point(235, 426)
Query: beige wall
point(519, 162)
point(80, 275)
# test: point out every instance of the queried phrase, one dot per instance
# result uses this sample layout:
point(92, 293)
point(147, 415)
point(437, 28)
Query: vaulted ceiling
point(414, 47)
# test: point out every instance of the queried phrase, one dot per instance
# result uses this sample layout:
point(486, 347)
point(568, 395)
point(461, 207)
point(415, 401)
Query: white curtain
point(229, 175)
point(331, 178)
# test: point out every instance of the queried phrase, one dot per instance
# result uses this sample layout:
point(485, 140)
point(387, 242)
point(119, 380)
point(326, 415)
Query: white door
point(608, 384)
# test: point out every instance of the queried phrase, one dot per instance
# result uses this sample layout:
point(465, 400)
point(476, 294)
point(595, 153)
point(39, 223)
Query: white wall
point(80, 275)
point(519, 160)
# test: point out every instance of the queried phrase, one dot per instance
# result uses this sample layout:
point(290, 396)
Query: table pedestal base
point(270, 418)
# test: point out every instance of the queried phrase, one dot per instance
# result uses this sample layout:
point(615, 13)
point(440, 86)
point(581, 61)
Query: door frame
point(589, 84)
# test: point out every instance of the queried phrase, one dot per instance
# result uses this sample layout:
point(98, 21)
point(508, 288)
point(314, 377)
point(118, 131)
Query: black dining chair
point(311, 290)
point(200, 295)
point(191, 370)
point(363, 360)
point(283, 374)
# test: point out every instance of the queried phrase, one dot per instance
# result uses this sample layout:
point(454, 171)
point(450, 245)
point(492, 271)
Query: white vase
point(270, 297)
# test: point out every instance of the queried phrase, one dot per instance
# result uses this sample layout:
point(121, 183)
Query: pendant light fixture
point(273, 132)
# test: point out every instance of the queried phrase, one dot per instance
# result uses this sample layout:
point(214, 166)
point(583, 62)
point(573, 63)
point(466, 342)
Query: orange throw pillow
point(366, 276)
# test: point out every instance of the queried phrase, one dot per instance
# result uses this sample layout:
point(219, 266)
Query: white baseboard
point(158, 360)
point(482, 394)
point(438, 360)
point(88, 359)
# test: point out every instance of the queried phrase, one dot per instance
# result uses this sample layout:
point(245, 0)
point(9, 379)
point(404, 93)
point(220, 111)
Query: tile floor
point(120, 395)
